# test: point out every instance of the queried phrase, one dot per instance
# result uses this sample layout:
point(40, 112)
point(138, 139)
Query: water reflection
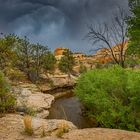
point(69, 108)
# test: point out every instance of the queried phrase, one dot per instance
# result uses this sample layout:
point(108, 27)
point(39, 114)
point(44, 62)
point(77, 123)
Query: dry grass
point(43, 131)
point(28, 125)
point(62, 128)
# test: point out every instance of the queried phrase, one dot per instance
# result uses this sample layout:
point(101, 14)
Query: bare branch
point(111, 35)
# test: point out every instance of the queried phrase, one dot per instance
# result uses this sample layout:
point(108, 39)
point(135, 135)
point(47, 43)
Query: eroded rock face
point(58, 81)
point(34, 100)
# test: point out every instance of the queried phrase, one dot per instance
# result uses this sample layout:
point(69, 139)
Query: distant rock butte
point(102, 56)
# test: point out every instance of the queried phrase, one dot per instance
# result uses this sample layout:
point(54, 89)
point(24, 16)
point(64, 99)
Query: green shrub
point(112, 97)
point(7, 101)
point(30, 111)
point(14, 74)
point(82, 68)
point(132, 62)
point(67, 62)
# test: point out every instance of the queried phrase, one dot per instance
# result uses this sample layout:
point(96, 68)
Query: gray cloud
point(55, 22)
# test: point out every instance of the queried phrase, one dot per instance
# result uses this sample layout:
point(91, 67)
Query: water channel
point(69, 108)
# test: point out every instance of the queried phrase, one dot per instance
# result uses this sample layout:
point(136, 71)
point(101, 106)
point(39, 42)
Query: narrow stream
point(69, 108)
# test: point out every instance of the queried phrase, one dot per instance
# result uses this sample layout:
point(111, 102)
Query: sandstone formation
point(59, 52)
point(101, 134)
point(12, 128)
point(49, 127)
point(58, 82)
point(30, 98)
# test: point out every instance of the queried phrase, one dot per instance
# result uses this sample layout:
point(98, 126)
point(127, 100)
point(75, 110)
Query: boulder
point(49, 127)
point(34, 101)
point(40, 101)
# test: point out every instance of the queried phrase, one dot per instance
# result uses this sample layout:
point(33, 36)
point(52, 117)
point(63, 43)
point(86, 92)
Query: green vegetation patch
point(7, 100)
point(112, 97)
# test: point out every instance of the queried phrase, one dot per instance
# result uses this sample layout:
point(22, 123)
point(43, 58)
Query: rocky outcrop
point(63, 80)
point(30, 98)
point(12, 128)
point(58, 83)
point(49, 127)
point(39, 101)
point(101, 134)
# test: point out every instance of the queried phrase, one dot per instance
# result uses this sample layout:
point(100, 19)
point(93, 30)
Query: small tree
point(31, 58)
point(38, 57)
point(7, 101)
point(7, 53)
point(134, 27)
point(49, 62)
point(67, 62)
point(24, 54)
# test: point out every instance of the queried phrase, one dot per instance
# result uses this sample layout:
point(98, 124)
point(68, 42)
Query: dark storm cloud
point(55, 22)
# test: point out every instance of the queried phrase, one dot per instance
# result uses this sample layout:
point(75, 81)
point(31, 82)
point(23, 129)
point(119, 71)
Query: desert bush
point(7, 100)
point(30, 111)
point(132, 62)
point(14, 74)
point(112, 97)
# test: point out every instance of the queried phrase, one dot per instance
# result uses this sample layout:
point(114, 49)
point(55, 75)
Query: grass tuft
point(28, 125)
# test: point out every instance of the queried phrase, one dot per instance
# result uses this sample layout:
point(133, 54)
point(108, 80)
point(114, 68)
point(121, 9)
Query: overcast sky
point(55, 23)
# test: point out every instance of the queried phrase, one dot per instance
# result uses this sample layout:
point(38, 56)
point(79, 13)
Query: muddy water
point(69, 108)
